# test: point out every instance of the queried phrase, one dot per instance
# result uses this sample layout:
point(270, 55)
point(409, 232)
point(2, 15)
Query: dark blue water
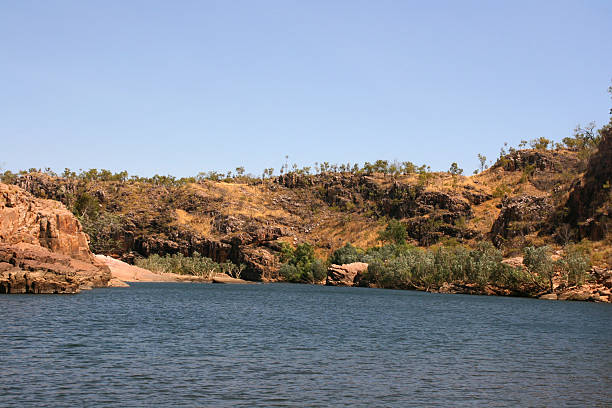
point(297, 345)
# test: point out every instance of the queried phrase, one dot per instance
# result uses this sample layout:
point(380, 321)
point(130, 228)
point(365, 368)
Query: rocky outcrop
point(602, 276)
point(345, 275)
point(261, 264)
point(43, 248)
point(520, 216)
point(46, 223)
point(542, 160)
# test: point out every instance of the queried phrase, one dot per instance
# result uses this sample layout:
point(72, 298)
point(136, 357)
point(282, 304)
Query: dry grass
point(199, 223)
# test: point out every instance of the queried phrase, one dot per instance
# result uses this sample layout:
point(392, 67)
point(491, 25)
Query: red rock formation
point(43, 248)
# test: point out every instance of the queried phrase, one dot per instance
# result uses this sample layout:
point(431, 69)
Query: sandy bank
point(228, 279)
point(130, 273)
point(122, 272)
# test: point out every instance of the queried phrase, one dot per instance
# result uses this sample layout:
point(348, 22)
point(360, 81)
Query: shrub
point(187, 265)
point(403, 266)
point(538, 262)
point(346, 254)
point(395, 232)
point(86, 204)
point(301, 264)
point(575, 264)
point(103, 230)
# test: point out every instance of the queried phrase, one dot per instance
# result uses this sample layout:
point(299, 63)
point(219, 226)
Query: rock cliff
point(43, 248)
point(589, 205)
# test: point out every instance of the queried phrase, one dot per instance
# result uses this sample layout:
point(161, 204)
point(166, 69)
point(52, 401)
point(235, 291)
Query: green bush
point(104, 230)
point(539, 263)
point(345, 255)
point(301, 265)
point(575, 265)
point(403, 266)
point(395, 232)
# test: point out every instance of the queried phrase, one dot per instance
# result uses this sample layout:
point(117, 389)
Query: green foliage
point(541, 143)
point(231, 269)
point(527, 173)
point(86, 205)
point(455, 170)
point(8, 177)
point(540, 265)
point(188, 265)
point(346, 254)
point(403, 266)
point(501, 190)
point(483, 162)
point(302, 266)
point(584, 138)
point(286, 252)
point(104, 231)
point(395, 232)
point(575, 264)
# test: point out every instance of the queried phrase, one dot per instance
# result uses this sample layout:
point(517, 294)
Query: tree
point(86, 205)
point(539, 262)
point(408, 167)
point(301, 264)
point(575, 264)
point(540, 143)
point(584, 138)
point(240, 171)
point(483, 162)
point(455, 170)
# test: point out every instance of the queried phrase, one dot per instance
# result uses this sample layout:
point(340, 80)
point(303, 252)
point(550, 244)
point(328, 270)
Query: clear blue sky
point(178, 87)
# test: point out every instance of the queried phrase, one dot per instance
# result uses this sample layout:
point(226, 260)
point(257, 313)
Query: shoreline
point(123, 274)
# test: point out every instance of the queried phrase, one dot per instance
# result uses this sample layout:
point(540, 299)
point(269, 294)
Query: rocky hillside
point(522, 200)
point(43, 248)
point(589, 207)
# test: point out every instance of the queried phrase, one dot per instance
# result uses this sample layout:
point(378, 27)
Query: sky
point(180, 87)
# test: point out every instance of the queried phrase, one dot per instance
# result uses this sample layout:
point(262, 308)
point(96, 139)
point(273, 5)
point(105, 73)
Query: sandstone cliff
point(43, 248)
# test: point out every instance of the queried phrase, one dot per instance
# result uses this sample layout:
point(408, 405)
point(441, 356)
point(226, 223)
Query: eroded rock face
point(261, 265)
point(43, 248)
point(590, 202)
point(345, 275)
point(47, 223)
point(520, 216)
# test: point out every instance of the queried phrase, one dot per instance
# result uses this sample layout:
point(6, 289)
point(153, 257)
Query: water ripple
point(297, 345)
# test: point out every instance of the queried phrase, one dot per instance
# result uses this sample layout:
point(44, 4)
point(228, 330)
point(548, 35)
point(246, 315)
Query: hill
point(528, 197)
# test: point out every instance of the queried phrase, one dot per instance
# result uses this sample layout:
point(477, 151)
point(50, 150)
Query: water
point(173, 344)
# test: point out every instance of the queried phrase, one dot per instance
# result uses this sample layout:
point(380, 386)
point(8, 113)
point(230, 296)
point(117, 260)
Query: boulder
point(345, 275)
point(575, 295)
point(117, 283)
point(549, 296)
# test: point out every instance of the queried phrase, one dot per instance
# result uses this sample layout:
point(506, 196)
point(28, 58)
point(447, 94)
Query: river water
point(175, 344)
